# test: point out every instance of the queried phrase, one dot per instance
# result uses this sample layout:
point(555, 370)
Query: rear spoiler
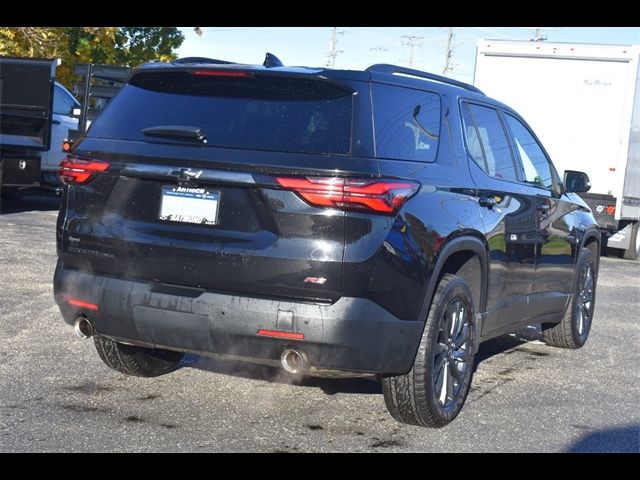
point(26, 103)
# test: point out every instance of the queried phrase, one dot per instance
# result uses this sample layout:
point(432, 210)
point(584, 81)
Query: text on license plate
point(189, 205)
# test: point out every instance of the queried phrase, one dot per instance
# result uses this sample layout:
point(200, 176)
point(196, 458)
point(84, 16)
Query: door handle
point(55, 122)
point(542, 207)
point(488, 202)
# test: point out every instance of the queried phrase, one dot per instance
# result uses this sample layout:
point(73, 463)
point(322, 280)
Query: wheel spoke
point(456, 373)
point(586, 314)
point(462, 338)
point(462, 316)
point(449, 383)
point(449, 319)
point(460, 355)
point(439, 361)
point(443, 384)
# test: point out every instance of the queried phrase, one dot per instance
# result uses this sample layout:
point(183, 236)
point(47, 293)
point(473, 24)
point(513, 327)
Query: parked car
point(64, 121)
point(384, 221)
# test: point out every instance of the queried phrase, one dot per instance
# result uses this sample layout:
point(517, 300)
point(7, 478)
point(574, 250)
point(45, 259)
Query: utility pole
point(411, 41)
point(333, 47)
point(449, 52)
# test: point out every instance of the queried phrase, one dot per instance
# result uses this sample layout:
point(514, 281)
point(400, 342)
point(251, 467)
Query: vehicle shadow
point(623, 439)
point(364, 384)
point(40, 201)
point(495, 346)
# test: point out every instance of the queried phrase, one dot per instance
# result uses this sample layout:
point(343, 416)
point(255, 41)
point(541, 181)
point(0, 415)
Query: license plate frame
point(189, 205)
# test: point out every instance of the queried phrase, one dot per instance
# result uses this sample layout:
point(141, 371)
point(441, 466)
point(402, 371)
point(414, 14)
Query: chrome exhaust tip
point(83, 328)
point(294, 361)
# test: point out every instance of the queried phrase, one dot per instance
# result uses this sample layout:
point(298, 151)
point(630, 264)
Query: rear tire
point(573, 331)
point(136, 361)
point(433, 392)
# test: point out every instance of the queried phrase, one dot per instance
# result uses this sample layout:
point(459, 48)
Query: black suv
point(384, 221)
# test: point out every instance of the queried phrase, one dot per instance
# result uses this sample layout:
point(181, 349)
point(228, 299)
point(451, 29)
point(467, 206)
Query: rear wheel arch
point(465, 257)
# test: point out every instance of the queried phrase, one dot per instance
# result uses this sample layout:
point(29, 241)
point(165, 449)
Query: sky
point(360, 47)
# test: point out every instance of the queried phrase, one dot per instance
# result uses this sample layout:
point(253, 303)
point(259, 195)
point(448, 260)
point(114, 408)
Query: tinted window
point(407, 123)
point(62, 102)
point(537, 169)
point(487, 141)
point(264, 113)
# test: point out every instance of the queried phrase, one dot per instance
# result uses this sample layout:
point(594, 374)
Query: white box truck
point(583, 102)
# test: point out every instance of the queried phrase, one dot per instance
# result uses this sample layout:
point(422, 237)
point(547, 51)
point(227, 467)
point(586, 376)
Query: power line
point(378, 51)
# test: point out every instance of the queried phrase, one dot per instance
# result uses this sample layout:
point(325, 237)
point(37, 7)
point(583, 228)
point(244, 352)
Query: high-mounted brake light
point(220, 73)
point(380, 196)
point(75, 170)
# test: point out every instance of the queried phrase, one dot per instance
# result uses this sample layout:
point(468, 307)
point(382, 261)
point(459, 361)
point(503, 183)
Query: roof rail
point(391, 69)
point(200, 60)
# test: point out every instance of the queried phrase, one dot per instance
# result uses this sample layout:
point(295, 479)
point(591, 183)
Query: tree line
point(127, 46)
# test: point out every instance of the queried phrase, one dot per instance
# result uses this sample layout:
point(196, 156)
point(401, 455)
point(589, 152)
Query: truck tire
point(433, 392)
point(573, 331)
point(633, 252)
point(136, 361)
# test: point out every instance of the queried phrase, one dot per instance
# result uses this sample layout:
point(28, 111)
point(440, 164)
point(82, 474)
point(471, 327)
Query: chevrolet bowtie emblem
point(188, 174)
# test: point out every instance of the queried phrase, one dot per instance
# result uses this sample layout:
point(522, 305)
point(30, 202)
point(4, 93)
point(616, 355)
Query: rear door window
point(487, 141)
point(260, 112)
point(407, 123)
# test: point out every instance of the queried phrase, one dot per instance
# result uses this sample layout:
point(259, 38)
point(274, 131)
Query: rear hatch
point(26, 97)
point(184, 181)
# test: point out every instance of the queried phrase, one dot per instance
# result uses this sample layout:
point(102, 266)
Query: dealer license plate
point(189, 205)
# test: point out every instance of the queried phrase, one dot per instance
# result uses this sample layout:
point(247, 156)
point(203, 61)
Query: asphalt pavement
point(56, 394)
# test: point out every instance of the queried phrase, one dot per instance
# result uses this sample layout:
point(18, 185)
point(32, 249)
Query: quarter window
point(487, 142)
point(407, 123)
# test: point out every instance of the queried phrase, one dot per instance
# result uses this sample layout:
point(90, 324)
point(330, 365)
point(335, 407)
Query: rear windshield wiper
point(176, 131)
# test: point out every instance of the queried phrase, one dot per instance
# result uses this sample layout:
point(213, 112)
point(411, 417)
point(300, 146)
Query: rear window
point(272, 113)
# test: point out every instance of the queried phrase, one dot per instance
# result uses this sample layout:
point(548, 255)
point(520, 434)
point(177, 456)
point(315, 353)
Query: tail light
point(380, 196)
point(75, 170)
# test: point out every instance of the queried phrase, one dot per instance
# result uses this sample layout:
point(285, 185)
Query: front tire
point(433, 392)
point(573, 331)
point(136, 361)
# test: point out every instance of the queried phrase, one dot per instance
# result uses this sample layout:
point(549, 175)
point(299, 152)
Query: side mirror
point(576, 181)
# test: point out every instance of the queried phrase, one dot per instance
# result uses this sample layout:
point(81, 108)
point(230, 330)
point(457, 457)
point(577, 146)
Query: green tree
point(128, 46)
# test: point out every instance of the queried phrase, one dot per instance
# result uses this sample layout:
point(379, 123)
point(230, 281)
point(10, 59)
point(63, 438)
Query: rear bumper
point(352, 334)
